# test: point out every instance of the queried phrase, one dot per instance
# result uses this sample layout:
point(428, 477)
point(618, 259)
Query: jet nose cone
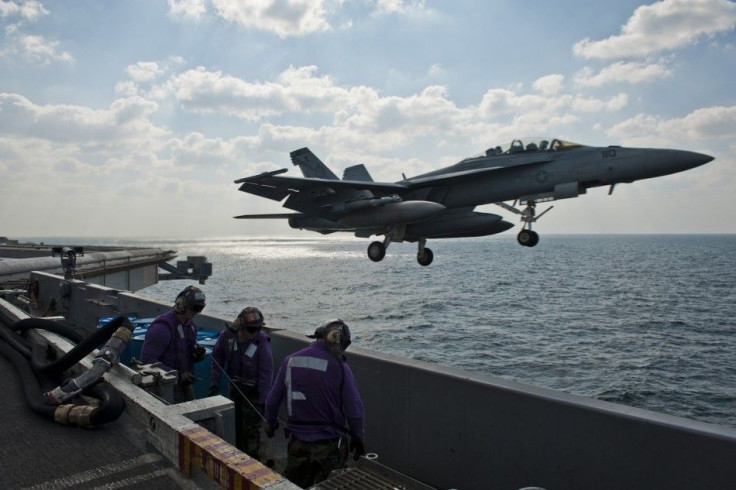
point(701, 158)
point(690, 159)
point(665, 162)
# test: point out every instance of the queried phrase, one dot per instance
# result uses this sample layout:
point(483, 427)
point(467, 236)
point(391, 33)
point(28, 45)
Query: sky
point(133, 118)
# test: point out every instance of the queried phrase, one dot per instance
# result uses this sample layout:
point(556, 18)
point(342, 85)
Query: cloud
point(144, 71)
point(709, 123)
point(29, 10)
point(549, 85)
point(124, 123)
point(296, 90)
point(187, 9)
point(623, 72)
point(282, 17)
point(33, 49)
point(403, 7)
point(663, 26)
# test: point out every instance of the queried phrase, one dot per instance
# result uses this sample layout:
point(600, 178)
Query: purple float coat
point(251, 360)
point(175, 353)
point(320, 394)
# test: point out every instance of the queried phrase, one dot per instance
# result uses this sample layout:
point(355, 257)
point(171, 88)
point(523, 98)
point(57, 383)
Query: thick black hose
point(28, 361)
point(80, 350)
point(112, 403)
point(31, 387)
point(62, 328)
point(20, 344)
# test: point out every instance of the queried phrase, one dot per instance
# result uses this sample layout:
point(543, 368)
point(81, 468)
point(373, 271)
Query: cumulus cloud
point(549, 85)
point(399, 6)
point(125, 122)
point(32, 48)
point(623, 72)
point(144, 71)
point(662, 26)
point(296, 90)
point(30, 10)
point(504, 101)
point(282, 17)
point(187, 9)
point(717, 122)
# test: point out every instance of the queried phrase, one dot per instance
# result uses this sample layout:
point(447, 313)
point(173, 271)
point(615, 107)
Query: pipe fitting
point(79, 415)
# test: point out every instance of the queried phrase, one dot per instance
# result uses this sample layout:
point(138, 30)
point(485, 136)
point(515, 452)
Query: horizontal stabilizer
point(267, 191)
point(261, 175)
point(357, 172)
point(310, 165)
point(269, 216)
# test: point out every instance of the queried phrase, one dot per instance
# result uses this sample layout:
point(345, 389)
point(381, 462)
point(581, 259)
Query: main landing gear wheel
point(425, 257)
point(376, 251)
point(527, 238)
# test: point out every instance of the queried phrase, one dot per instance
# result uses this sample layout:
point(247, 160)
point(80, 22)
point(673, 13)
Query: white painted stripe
point(135, 480)
point(99, 472)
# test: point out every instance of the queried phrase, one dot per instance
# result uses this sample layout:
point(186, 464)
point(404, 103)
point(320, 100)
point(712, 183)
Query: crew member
point(244, 352)
point(172, 340)
point(321, 395)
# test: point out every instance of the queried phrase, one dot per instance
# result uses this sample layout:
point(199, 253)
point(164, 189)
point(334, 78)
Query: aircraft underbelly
point(395, 213)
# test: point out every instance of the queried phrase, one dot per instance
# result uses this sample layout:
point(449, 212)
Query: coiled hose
point(65, 403)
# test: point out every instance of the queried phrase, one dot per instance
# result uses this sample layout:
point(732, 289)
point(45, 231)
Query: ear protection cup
point(234, 326)
point(181, 305)
point(335, 332)
point(190, 298)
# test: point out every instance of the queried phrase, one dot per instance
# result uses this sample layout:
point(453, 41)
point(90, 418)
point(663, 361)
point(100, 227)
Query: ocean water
point(642, 320)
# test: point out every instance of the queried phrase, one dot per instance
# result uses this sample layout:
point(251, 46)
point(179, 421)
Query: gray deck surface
point(36, 452)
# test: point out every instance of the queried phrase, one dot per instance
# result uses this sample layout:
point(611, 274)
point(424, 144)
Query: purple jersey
point(173, 353)
point(251, 361)
point(320, 395)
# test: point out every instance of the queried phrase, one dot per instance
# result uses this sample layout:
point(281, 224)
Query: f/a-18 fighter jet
point(440, 204)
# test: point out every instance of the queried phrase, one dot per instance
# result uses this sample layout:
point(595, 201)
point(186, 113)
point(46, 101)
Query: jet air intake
point(392, 213)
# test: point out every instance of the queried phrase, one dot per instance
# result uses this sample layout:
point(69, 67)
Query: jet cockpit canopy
point(531, 144)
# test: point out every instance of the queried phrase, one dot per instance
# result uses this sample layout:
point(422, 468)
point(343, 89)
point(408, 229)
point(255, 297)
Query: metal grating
point(368, 474)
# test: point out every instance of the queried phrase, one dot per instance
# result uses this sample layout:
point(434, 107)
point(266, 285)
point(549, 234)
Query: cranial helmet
point(250, 319)
point(335, 332)
point(191, 298)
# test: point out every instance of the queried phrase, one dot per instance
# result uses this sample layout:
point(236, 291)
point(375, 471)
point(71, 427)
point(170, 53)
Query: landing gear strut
point(526, 236)
point(424, 254)
point(377, 251)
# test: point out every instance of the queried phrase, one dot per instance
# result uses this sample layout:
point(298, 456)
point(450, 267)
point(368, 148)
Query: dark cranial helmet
point(191, 298)
point(250, 319)
point(335, 332)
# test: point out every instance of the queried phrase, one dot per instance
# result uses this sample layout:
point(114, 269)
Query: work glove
point(186, 378)
point(214, 390)
point(271, 430)
point(198, 353)
point(357, 448)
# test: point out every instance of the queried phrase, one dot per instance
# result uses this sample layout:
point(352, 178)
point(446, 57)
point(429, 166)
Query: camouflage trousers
point(309, 463)
point(248, 425)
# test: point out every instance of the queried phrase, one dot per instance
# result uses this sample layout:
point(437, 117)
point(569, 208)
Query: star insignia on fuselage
point(543, 176)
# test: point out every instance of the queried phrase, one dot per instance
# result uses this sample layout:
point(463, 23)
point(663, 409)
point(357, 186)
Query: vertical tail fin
point(310, 165)
point(357, 172)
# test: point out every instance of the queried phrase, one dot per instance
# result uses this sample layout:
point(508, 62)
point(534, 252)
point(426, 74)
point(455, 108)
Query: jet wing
point(275, 186)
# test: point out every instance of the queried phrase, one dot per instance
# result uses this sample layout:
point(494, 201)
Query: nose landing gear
point(526, 236)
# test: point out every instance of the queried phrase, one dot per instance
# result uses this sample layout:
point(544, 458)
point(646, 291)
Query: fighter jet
point(440, 204)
